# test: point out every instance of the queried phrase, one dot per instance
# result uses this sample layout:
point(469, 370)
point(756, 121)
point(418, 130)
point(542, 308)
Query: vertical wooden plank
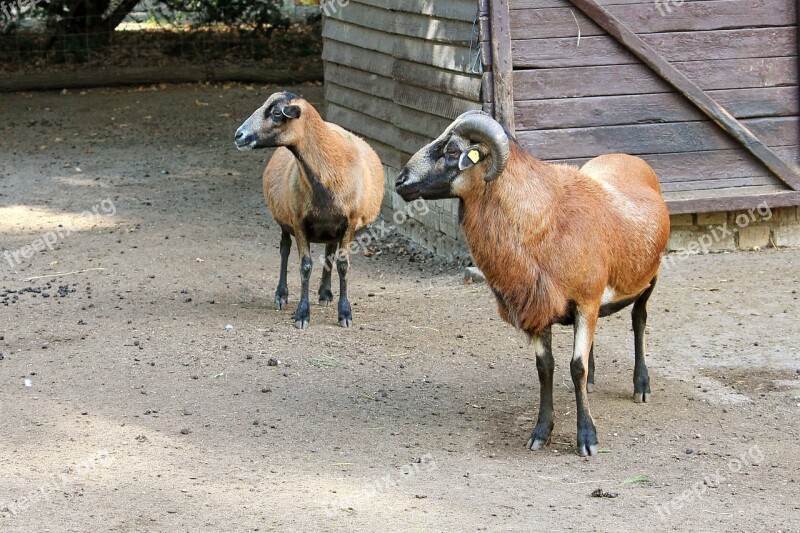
point(502, 65)
point(485, 39)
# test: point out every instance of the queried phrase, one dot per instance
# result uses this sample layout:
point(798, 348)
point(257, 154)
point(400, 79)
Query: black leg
point(345, 313)
point(641, 379)
point(545, 366)
point(585, 323)
point(302, 317)
point(342, 266)
point(590, 379)
point(282, 292)
point(325, 293)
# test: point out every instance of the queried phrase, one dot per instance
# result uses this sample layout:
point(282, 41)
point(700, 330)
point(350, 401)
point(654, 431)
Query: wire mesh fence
point(152, 35)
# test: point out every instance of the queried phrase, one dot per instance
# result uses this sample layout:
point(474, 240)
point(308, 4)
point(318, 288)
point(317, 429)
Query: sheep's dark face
point(439, 170)
point(273, 124)
point(456, 164)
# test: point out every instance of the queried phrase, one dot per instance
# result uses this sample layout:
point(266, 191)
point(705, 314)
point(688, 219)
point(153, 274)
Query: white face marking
point(608, 296)
point(418, 166)
point(458, 185)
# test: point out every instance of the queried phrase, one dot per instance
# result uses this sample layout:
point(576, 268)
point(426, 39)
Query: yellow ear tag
point(474, 156)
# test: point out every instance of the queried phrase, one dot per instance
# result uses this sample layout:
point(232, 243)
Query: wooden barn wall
point(578, 97)
point(398, 71)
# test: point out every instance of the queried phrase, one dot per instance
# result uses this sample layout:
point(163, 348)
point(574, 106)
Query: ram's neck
point(511, 227)
point(518, 207)
point(321, 153)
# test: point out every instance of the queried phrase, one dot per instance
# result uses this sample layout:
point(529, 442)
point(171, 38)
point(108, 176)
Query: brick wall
point(738, 230)
point(435, 227)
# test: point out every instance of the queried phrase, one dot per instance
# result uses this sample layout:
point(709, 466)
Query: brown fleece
point(346, 166)
point(547, 235)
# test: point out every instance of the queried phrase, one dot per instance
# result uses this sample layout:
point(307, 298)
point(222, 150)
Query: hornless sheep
point(557, 244)
point(322, 184)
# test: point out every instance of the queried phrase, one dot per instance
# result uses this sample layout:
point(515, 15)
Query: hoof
point(641, 387)
point(281, 297)
point(590, 388)
point(325, 297)
point(540, 436)
point(536, 444)
point(345, 314)
point(587, 439)
point(302, 317)
point(587, 450)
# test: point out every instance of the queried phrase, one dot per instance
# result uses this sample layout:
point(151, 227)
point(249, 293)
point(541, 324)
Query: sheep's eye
point(452, 155)
point(277, 112)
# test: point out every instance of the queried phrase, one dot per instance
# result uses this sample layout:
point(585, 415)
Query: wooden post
point(688, 89)
point(485, 44)
point(502, 64)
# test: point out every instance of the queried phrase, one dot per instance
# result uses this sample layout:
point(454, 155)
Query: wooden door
point(704, 90)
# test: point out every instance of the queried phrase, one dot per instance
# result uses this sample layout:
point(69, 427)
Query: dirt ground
point(157, 389)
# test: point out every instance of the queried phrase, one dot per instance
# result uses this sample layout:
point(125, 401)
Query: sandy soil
point(158, 389)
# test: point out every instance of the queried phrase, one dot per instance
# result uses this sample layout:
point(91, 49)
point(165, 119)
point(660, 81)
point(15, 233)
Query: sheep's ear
point(292, 111)
point(470, 157)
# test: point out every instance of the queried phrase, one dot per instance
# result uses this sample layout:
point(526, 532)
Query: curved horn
point(273, 98)
point(481, 127)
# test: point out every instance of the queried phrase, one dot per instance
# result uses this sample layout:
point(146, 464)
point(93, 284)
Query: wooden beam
point(674, 47)
point(653, 138)
point(650, 108)
point(687, 88)
point(734, 203)
point(645, 16)
point(502, 64)
point(613, 80)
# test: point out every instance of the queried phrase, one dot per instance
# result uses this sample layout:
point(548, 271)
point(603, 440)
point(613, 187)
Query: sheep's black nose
point(401, 178)
point(239, 135)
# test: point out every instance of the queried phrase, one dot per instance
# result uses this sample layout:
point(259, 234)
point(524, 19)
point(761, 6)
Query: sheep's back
point(638, 217)
point(369, 174)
